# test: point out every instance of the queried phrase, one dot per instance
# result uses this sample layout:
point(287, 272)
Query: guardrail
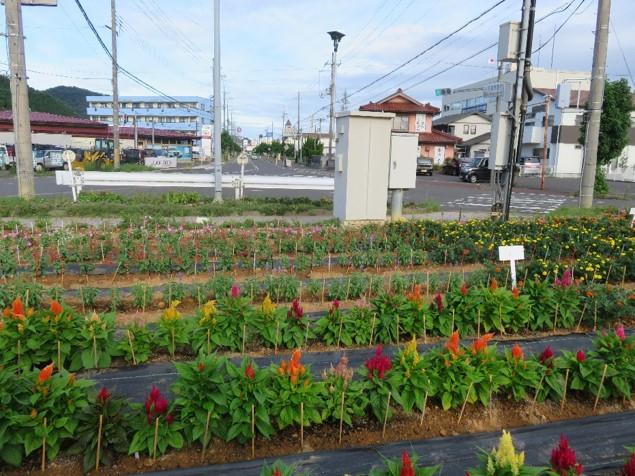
point(77, 179)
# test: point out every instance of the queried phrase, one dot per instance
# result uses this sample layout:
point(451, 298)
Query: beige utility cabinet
point(362, 162)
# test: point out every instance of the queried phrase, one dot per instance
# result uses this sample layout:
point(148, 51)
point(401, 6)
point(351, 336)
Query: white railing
point(77, 179)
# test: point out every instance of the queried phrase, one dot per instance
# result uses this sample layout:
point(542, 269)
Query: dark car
point(453, 166)
point(424, 166)
point(476, 171)
point(132, 156)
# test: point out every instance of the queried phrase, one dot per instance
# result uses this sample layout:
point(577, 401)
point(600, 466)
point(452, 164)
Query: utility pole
point(115, 86)
point(545, 151)
point(345, 101)
point(336, 36)
point(218, 107)
point(299, 133)
point(20, 100)
point(522, 94)
point(153, 133)
point(596, 97)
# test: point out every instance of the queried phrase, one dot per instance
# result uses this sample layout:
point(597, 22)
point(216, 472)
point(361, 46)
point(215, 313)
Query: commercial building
point(181, 113)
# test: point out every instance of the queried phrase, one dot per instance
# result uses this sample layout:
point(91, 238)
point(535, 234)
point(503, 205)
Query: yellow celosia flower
point(171, 313)
point(268, 307)
point(209, 309)
point(411, 350)
point(506, 457)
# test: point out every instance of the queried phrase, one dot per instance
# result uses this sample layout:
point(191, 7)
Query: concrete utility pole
point(336, 36)
point(596, 97)
point(299, 133)
point(115, 86)
point(545, 150)
point(218, 107)
point(20, 100)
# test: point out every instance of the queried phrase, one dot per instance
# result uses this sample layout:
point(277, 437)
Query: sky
point(271, 50)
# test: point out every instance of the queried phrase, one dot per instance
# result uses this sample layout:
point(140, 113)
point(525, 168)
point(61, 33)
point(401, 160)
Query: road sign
point(242, 159)
point(68, 155)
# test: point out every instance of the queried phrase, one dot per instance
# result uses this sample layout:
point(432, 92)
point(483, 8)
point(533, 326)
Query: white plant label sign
point(511, 254)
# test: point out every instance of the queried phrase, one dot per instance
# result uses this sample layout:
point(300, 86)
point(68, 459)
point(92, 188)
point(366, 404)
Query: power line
point(557, 30)
point(127, 73)
point(434, 45)
point(619, 44)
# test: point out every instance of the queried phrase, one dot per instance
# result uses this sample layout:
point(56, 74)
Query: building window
point(400, 122)
point(473, 130)
point(466, 128)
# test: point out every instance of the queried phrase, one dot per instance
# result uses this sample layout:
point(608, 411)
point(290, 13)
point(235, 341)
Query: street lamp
point(336, 36)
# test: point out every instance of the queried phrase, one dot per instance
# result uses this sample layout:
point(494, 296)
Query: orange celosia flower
point(18, 307)
point(45, 373)
point(480, 345)
point(515, 292)
point(294, 369)
point(453, 344)
point(493, 285)
point(415, 296)
point(6, 312)
point(56, 307)
point(517, 352)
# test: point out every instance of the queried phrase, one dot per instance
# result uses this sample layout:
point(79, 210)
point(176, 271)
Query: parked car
point(453, 166)
point(528, 166)
point(476, 170)
point(424, 166)
point(132, 156)
point(4, 159)
point(48, 160)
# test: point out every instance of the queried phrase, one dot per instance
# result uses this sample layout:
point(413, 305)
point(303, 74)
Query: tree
point(615, 123)
point(227, 143)
point(312, 146)
point(262, 149)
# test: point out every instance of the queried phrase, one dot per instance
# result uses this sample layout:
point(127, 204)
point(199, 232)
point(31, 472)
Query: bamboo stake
point(306, 334)
point(425, 331)
point(101, 423)
point(595, 316)
point(209, 416)
point(253, 431)
point(564, 393)
point(467, 395)
point(538, 389)
point(341, 417)
point(581, 316)
point(423, 411)
point(134, 359)
point(44, 448)
point(156, 439)
point(623, 276)
point(372, 329)
point(323, 288)
point(301, 426)
point(597, 397)
point(275, 349)
point(114, 276)
point(173, 347)
point(383, 431)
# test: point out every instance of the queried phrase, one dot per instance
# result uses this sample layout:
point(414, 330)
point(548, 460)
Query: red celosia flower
point(56, 308)
point(563, 459)
point(580, 356)
point(235, 292)
point(493, 284)
point(378, 363)
point(546, 355)
point(249, 372)
point(517, 352)
point(18, 307)
point(453, 344)
point(103, 395)
point(619, 332)
point(201, 367)
point(335, 304)
point(160, 406)
point(154, 394)
point(515, 292)
point(406, 465)
point(566, 281)
point(629, 467)
point(295, 310)
point(439, 300)
point(45, 373)
point(479, 345)
point(464, 289)
point(169, 419)
point(276, 472)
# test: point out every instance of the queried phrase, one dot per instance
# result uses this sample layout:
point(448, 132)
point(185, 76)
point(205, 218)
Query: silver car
point(48, 160)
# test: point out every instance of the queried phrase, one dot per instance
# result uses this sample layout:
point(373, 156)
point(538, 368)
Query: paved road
point(450, 192)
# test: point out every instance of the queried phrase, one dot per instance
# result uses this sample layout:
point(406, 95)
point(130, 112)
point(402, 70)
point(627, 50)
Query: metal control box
point(403, 160)
point(362, 158)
